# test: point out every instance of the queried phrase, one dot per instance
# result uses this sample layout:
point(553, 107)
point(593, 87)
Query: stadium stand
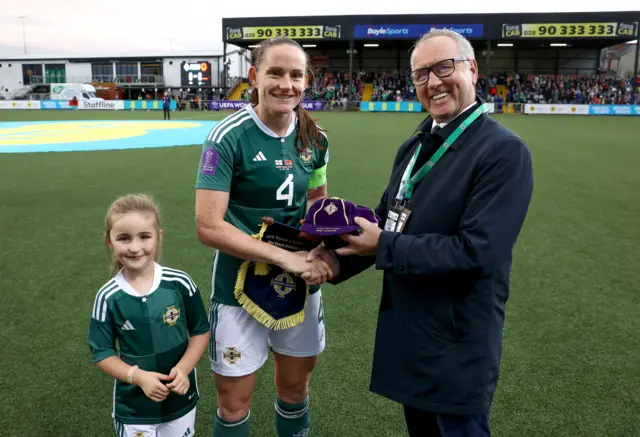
point(359, 59)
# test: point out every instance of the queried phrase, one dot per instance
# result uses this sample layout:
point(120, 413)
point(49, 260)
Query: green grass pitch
point(571, 345)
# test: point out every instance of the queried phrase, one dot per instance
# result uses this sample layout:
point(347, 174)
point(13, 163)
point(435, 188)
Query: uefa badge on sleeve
point(209, 159)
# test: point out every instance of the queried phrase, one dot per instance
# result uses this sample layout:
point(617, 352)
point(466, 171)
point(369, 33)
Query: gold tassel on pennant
point(258, 313)
point(261, 269)
point(260, 234)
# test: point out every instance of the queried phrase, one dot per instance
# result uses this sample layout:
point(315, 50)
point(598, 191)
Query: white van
point(66, 91)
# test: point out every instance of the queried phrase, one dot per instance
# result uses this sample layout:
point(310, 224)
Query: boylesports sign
point(414, 31)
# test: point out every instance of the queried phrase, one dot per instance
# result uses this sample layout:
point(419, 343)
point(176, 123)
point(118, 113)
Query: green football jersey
point(151, 331)
point(264, 175)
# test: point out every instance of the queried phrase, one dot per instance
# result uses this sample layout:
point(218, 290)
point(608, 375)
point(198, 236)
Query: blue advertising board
point(147, 104)
point(55, 104)
point(390, 107)
point(414, 31)
point(614, 109)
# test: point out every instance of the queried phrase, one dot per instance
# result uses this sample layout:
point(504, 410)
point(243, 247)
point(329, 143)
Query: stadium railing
point(509, 108)
point(42, 102)
point(334, 106)
point(232, 83)
point(24, 96)
point(145, 79)
point(231, 105)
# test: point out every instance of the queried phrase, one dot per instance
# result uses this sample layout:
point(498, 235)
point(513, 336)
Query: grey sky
point(93, 27)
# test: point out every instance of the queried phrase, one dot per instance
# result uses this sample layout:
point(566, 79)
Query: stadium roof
point(579, 29)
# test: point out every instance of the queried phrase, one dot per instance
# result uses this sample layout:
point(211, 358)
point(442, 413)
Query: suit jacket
point(446, 276)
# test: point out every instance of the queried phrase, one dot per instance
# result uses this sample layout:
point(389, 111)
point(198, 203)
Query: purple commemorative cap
point(335, 216)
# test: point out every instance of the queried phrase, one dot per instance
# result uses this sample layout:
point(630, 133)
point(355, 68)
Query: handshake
point(315, 267)
point(335, 224)
point(275, 294)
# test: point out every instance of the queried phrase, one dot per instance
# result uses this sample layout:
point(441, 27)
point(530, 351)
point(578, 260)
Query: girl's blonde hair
point(124, 205)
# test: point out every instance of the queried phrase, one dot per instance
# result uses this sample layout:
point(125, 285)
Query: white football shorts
point(180, 427)
point(239, 344)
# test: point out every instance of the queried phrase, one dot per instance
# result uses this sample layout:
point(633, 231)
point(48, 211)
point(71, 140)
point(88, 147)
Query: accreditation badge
point(397, 217)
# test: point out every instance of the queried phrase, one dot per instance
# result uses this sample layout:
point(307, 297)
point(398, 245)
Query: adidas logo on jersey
point(260, 157)
point(128, 326)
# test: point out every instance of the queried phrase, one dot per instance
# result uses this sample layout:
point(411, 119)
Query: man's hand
point(321, 253)
point(295, 262)
point(363, 244)
point(317, 271)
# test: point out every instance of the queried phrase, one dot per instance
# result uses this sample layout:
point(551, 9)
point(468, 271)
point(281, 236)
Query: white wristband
point(130, 374)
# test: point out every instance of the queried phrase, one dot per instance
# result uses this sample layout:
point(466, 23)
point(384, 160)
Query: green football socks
point(292, 420)
point(222, 428)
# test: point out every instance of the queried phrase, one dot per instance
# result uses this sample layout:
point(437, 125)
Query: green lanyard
point(406, 189)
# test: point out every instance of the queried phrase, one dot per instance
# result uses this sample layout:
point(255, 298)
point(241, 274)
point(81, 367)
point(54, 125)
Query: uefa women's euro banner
point(222, 105)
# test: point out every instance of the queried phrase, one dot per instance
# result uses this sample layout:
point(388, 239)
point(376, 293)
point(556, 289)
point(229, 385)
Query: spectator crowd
point(550, 88)
point(396, 86)
point(334, 86)
point(520, 88)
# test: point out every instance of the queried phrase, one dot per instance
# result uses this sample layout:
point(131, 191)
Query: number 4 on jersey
point(285, 191)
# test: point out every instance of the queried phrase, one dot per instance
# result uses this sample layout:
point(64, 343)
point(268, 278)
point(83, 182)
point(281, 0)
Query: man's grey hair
point(464, 46)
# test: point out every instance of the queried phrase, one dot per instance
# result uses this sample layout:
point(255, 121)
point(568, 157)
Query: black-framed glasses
point(444, 68)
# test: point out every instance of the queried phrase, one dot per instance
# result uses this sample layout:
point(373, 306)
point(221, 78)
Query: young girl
point(158, 318)
point(268, 159)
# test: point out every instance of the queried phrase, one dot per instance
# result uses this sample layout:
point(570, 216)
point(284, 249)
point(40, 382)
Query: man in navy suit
point(457, 198)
